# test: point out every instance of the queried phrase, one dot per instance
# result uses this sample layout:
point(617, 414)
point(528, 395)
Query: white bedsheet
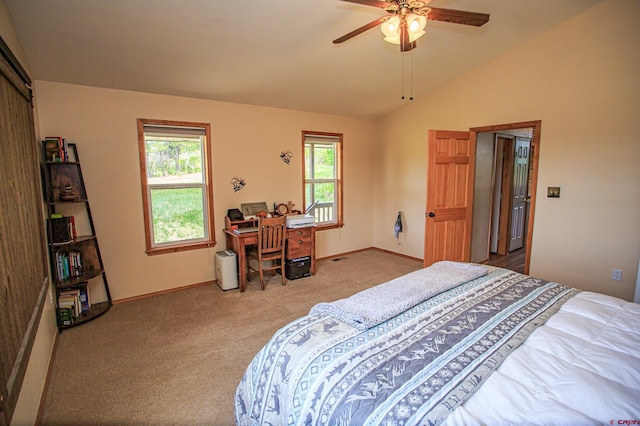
point(582, 367)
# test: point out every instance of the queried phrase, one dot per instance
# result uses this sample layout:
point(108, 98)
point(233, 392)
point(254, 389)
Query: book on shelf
point(68, 265)
point(72, 303)
point(85, 301)
point(62, 229)
point(70, 298)
point(78, 297)
point(65, 315)
point(68, 302)
point(72, 227)
point(56, 149)
point(51, 150)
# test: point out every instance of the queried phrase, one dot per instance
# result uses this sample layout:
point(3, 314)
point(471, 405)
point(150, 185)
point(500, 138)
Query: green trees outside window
point(322, 177)
point(176, 176)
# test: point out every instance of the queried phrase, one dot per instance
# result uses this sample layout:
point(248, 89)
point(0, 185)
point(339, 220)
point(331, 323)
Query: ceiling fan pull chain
point(411, 82)
point(402, 56)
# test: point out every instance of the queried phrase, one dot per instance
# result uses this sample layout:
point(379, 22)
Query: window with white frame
point(323, 177)
point(177, 191)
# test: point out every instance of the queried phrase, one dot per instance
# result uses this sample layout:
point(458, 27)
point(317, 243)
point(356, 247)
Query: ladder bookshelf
point(79, 279)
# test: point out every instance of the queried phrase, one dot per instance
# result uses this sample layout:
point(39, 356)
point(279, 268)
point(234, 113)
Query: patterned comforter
point(414, 368)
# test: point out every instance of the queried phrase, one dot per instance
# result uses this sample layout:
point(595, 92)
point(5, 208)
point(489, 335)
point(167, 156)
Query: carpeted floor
point(176, 359)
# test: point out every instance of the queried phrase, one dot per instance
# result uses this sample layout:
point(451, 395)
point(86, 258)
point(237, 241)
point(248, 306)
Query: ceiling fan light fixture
point(406, 20)
point(391, 30)
point(415, 25)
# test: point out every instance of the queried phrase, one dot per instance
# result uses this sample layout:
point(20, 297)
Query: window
point(323, 177)
point(177, 187)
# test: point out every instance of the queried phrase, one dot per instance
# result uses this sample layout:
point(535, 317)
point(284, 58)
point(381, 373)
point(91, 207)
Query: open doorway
point(504, 195)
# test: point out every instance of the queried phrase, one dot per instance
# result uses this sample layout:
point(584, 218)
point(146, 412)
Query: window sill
point(329, 226)
point(181, 247)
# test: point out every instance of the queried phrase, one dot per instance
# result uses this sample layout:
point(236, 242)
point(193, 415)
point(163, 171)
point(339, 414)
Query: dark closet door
point(23, 264)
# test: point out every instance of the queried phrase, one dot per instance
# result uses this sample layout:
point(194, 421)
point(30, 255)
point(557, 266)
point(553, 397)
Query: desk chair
point(271, 238)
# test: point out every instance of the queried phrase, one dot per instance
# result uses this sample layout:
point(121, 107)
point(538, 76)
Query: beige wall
point(581, 79)
point(247, 142)
point(10, 36)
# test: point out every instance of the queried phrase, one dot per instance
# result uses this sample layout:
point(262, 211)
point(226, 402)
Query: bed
point(453, 343)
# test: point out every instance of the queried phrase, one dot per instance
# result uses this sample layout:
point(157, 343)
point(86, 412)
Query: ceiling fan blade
point(458, 17)
point(374, 3)
point(361, 29)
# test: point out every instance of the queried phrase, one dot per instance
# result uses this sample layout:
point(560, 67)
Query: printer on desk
point(247, 217)
point(299, 220)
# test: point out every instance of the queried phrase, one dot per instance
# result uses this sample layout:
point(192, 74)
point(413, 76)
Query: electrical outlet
point(617, 275)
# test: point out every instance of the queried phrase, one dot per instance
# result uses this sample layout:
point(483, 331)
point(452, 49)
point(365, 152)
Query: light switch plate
point(553, 192)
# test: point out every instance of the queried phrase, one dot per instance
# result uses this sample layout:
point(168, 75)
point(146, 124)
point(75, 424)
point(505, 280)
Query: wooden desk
point(300, 242)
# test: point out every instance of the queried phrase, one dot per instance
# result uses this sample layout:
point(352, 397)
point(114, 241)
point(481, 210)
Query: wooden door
point(506, 190)
point(520, 193)
point(450, 179)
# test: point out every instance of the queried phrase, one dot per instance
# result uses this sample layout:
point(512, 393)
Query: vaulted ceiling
point(275, 53)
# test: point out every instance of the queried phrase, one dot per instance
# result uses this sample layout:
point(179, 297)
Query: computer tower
point(227, 269)
point(297, 268)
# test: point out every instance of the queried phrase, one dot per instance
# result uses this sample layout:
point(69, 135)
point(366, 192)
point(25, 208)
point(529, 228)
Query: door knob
point(431, 214)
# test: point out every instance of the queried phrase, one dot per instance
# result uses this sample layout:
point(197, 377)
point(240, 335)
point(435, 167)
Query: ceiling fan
point(406, 20)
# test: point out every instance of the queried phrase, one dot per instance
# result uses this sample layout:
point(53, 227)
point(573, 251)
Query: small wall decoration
point(397, 228)
point(238, 183)
point(286, 156)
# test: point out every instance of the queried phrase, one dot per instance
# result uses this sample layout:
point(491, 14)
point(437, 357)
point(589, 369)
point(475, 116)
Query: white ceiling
point(266, 52)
